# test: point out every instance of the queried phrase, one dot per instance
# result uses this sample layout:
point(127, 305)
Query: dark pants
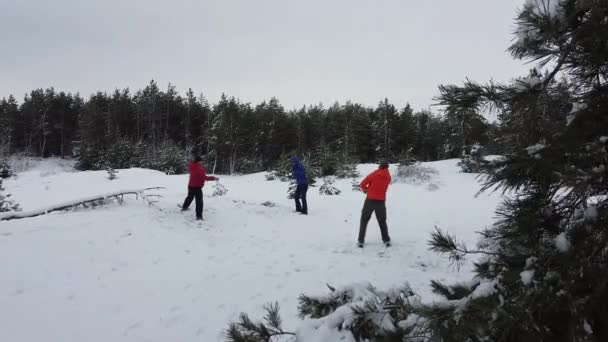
point(301, 195)
point(379, 207)
point(197, 194)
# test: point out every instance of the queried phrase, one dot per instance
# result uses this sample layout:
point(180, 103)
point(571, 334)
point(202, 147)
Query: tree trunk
point(233, 161)
point(43, 148)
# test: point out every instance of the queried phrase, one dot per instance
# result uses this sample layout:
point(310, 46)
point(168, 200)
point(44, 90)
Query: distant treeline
point(160, 129)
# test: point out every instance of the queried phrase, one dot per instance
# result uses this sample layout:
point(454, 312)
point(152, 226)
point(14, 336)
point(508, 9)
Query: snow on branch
point(92, 200)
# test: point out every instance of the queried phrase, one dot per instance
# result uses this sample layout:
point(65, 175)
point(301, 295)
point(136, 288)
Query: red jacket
point(376, 184)
point(198, 175)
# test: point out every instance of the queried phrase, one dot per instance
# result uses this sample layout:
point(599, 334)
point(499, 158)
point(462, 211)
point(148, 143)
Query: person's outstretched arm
point(205, 177)
point(365, 183)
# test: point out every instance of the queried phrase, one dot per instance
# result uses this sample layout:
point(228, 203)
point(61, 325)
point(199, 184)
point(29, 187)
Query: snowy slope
point(134, 273)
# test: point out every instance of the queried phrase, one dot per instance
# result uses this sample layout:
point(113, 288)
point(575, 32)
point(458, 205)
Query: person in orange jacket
point(375, 186)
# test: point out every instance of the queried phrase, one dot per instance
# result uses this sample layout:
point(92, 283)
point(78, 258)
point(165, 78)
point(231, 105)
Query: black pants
point(301, 195)
point(197, 194)
point(370, 207)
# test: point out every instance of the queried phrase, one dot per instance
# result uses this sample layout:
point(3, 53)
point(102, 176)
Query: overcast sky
point(301, 52)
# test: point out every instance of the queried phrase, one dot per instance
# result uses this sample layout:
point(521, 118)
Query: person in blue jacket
point(299, 174)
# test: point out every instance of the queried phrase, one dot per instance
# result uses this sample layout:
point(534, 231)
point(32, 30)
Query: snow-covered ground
point(136, 273)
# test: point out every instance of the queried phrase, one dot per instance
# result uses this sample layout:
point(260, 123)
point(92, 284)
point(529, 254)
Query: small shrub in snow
point(219, 189)
point(432, 187)
point(327, 188)
point(167, 157)
point(291, 190)
point(270, 176)
point(6, 203)
point(5, 170)
point(111, 173)
point(473, 162)
point(283, 170)
point(355, 184)
point(415, 174)
point(269, 204)
point(274, 175)
point(347, 170)
point(468, 164)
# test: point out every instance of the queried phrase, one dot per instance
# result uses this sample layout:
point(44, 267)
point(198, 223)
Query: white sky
point(301, 52)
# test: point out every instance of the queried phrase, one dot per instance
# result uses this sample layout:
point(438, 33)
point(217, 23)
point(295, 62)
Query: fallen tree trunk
point(75, 203)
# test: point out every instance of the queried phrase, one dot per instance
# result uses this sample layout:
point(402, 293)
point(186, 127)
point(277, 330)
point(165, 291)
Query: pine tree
point(546, 256)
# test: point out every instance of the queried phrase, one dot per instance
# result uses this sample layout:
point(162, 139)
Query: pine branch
point(246, 330)
point(452, 292)
point(272, 316)
point(317, 307)
point(443, 243)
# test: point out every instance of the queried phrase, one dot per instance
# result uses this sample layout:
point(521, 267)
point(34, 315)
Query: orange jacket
point(376, 184)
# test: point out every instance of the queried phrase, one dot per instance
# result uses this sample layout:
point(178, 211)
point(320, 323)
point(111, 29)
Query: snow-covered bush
point(415, 174)
point(333, 163)
point(432, 187)
point(347, 170)
point(120, 155)
point(5, 169)
point(167, 157)
point(6, 203)
point(355, 184)
point(291, 190)
point(219, 189)
point(282, 170)
point(473, 162)
point(274, 175)
point(328, 188)
point(111, 173)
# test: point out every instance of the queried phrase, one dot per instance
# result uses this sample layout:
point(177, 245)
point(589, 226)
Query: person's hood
point(383, 173)
point(295, 160)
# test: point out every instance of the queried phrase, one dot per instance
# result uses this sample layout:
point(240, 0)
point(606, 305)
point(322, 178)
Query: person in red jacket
point(198, 176)
point(375, 186)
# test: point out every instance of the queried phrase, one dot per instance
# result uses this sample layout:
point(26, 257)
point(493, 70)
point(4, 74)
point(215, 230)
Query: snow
point(550, 8)
point(534, 149)
point(562, 243)
point(411, 321)
point(525, 83)
point(603, 139)
point(587, 328)
point(130, 272)
point(485, 289)
point(591, 213)
point(527, 276)
point(531, 261)
point(576, 108)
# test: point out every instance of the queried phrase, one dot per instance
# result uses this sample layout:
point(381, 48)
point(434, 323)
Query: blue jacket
point(298, 171)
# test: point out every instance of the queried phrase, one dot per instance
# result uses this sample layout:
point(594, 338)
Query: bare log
point(118, 195)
